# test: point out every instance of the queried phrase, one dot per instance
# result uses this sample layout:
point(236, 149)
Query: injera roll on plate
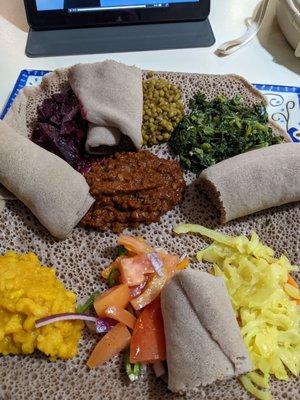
point(79, 259)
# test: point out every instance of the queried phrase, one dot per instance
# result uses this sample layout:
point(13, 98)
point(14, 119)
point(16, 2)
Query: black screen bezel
point(43, 20)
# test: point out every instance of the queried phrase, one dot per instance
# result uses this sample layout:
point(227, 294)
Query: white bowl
point(288, 16)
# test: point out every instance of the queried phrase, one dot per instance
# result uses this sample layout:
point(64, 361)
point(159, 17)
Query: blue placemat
point(283, 107)
point(26, 78)
point(283, 101)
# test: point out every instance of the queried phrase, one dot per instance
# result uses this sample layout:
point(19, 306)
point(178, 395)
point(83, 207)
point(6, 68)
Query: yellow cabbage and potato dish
point(29, 291)
point(266, 305)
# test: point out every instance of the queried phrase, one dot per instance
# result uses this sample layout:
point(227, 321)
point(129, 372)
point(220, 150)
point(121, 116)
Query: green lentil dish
point(219, 129)
point(163, 110)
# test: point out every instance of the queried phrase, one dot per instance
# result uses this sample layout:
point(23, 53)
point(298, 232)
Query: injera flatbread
point(254, 181)
point(79, 259)
point(23, 111)
point(102, 89)
point(196, 306)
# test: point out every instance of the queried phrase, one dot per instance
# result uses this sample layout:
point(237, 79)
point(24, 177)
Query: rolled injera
point(111, 98)
point(111, 136)
point(55, 193)
point(203, 339)
point(254, 181)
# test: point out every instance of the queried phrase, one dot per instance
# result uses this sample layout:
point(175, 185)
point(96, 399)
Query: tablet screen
point(56, 14)
point(74, 6)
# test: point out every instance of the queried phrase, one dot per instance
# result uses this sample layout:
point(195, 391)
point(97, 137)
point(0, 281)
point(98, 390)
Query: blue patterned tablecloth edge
point(25, 73)
point(277, 88)
point(20, 83)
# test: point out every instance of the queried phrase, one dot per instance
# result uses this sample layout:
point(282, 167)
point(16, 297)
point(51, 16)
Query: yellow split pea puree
point(29, 291)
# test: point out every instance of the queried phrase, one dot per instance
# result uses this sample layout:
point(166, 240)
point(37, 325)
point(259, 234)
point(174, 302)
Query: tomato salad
point(128, 313)
point(136, 278)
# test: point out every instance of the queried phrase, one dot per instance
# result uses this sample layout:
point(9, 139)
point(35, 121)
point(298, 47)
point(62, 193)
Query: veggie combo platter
point(150, 236)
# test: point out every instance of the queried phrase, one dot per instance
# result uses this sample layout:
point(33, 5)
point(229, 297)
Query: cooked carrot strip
point(121, 315)
point(134, 245)
point(117, 339)
point(114, 265)
point(183, 263)
point(293, 283)
point(105, 273)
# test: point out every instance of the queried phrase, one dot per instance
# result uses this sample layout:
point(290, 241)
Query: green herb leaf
point(133, 371)
point(81, 308)
point(219, 129)
point(113, 277)
point(121, 251)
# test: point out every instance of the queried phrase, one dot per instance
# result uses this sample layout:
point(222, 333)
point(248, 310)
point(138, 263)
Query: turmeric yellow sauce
point(29, 291)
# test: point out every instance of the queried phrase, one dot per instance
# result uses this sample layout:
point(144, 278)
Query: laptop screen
point(74, 6)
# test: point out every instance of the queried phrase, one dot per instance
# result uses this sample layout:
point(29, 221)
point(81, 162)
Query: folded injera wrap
point(55, 193)
point(111, 97)
point(254, 181)
point(203, 338)
point(101, 138)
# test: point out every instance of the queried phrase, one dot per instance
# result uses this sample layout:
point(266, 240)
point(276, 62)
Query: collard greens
point(219, 129)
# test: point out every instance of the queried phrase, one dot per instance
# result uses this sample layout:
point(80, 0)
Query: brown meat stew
point(132, 189)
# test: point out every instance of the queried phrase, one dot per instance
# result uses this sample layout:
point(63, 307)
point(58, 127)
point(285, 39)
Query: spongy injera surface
point(80, 258)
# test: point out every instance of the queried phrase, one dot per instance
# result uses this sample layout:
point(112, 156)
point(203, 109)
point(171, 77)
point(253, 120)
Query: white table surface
point(267, 59)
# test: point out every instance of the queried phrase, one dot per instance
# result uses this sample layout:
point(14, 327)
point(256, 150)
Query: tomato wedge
point(115, 340)
point(118, 296)
point(133, 269)
point(291, 281)
point(148, 337)
point(121, 315)
point(156, 283)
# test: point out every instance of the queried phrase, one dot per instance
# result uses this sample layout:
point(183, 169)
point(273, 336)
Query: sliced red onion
point(156, 263)
point(63, 317)
point(135, 291)
point(159, 369)
point(104, 325)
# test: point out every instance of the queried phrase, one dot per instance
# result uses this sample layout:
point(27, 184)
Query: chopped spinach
point(82, 308)
point(113, 277)
point(121, 250)
point(219, 129)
